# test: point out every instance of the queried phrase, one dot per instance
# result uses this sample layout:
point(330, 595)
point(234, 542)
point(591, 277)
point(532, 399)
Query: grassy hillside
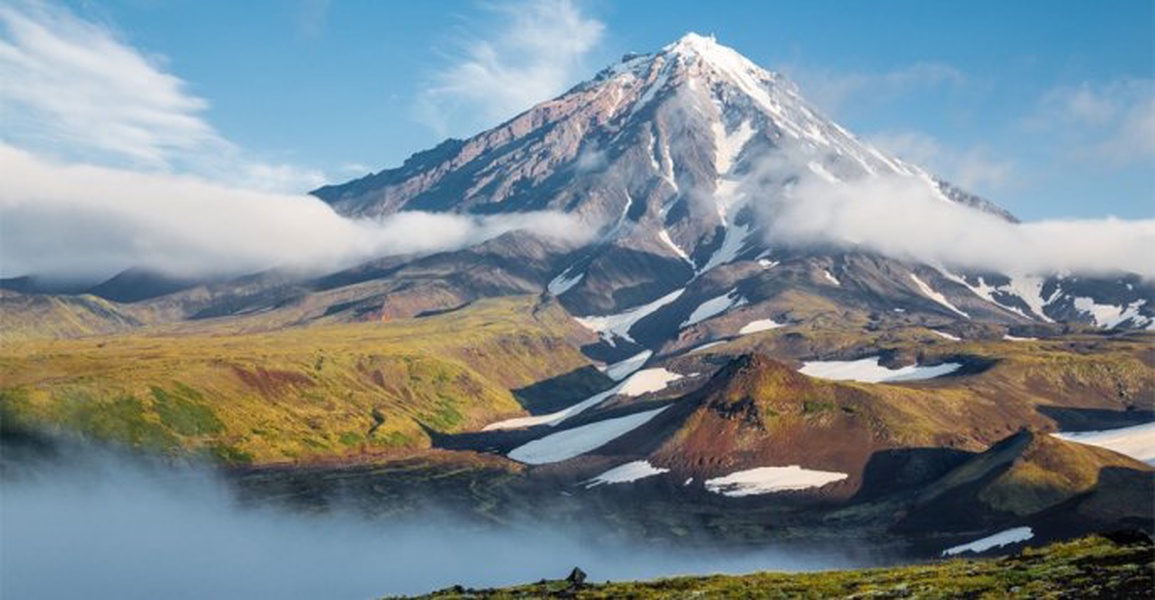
point(25, 317)
point(1066, 370)
point(1093, 567)
point(296, 394)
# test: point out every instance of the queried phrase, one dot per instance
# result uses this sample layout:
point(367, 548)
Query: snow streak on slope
point(629, 472)
point(642, 382)
point(714, 307)
point(617, 326)
point(1030, 290)
point(998, 540)
point(732, 244)
point(727, 147)
point(620, 370)
point(936, 296)
point(567, 444)
point(563, 282)
point(665, 237)
point(987, 292)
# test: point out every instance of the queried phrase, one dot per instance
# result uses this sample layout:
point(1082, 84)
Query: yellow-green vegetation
point(303, 393)
point(1093, 567)
point(1083, 370)
point(24, 317)
point(1048, 472)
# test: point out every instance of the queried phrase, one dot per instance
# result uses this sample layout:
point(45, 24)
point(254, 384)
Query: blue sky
point(1047, 108)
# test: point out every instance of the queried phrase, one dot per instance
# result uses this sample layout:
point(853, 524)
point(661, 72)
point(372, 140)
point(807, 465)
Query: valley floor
point(1092, 567)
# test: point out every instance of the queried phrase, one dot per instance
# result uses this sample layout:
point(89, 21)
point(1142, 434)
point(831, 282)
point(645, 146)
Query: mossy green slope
point(321, 392)
point(25, 317)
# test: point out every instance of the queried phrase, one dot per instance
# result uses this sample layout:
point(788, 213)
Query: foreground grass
point(1093, 567)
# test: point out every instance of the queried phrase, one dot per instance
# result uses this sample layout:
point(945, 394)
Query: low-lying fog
point(107, 527)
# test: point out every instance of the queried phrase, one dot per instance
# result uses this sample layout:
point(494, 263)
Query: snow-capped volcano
point(682, 158)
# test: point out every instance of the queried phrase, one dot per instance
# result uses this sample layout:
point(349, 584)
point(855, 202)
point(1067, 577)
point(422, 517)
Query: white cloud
point(83, 221)
point(1112, 122)
point(972, 169)
point(900, 217)
point(71, 83)
point(537, 49)
point(833, 91)
point(75, 90)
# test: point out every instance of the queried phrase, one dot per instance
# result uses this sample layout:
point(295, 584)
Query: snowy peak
point(694, 48)
point(678, 159)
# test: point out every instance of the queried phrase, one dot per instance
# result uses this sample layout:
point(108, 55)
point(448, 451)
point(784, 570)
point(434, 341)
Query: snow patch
point(650, 380)
point(567, 444)
point(946, 336)
point(1011, 338)
point(618, 325)
point(642, 382)
point(759, 325)
point(867, 370)
point(631, 471)
point(564, 282)
point(732, 245)
point(987, 292)
point(663, 75)
point(665, 237)
point(936, 296)
point(830, 277)
point(998, 540)
point(1138, 441)
point(1030, 290)
point(706, 346)
point(714, 307)
point(620, 370)
point(767, 264)
point(728, 147)
point(766, 480)
point(1106, 315)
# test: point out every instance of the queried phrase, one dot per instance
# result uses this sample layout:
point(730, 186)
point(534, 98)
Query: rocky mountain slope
point(683, 157)
point(685, 161)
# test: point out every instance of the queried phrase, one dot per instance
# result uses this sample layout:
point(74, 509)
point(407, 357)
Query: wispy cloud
point(71, 84)
point(902, 218)
point(973, 169)
point(1112, 122)
point(88, 222)
point(536, 50)
point(76, 90)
